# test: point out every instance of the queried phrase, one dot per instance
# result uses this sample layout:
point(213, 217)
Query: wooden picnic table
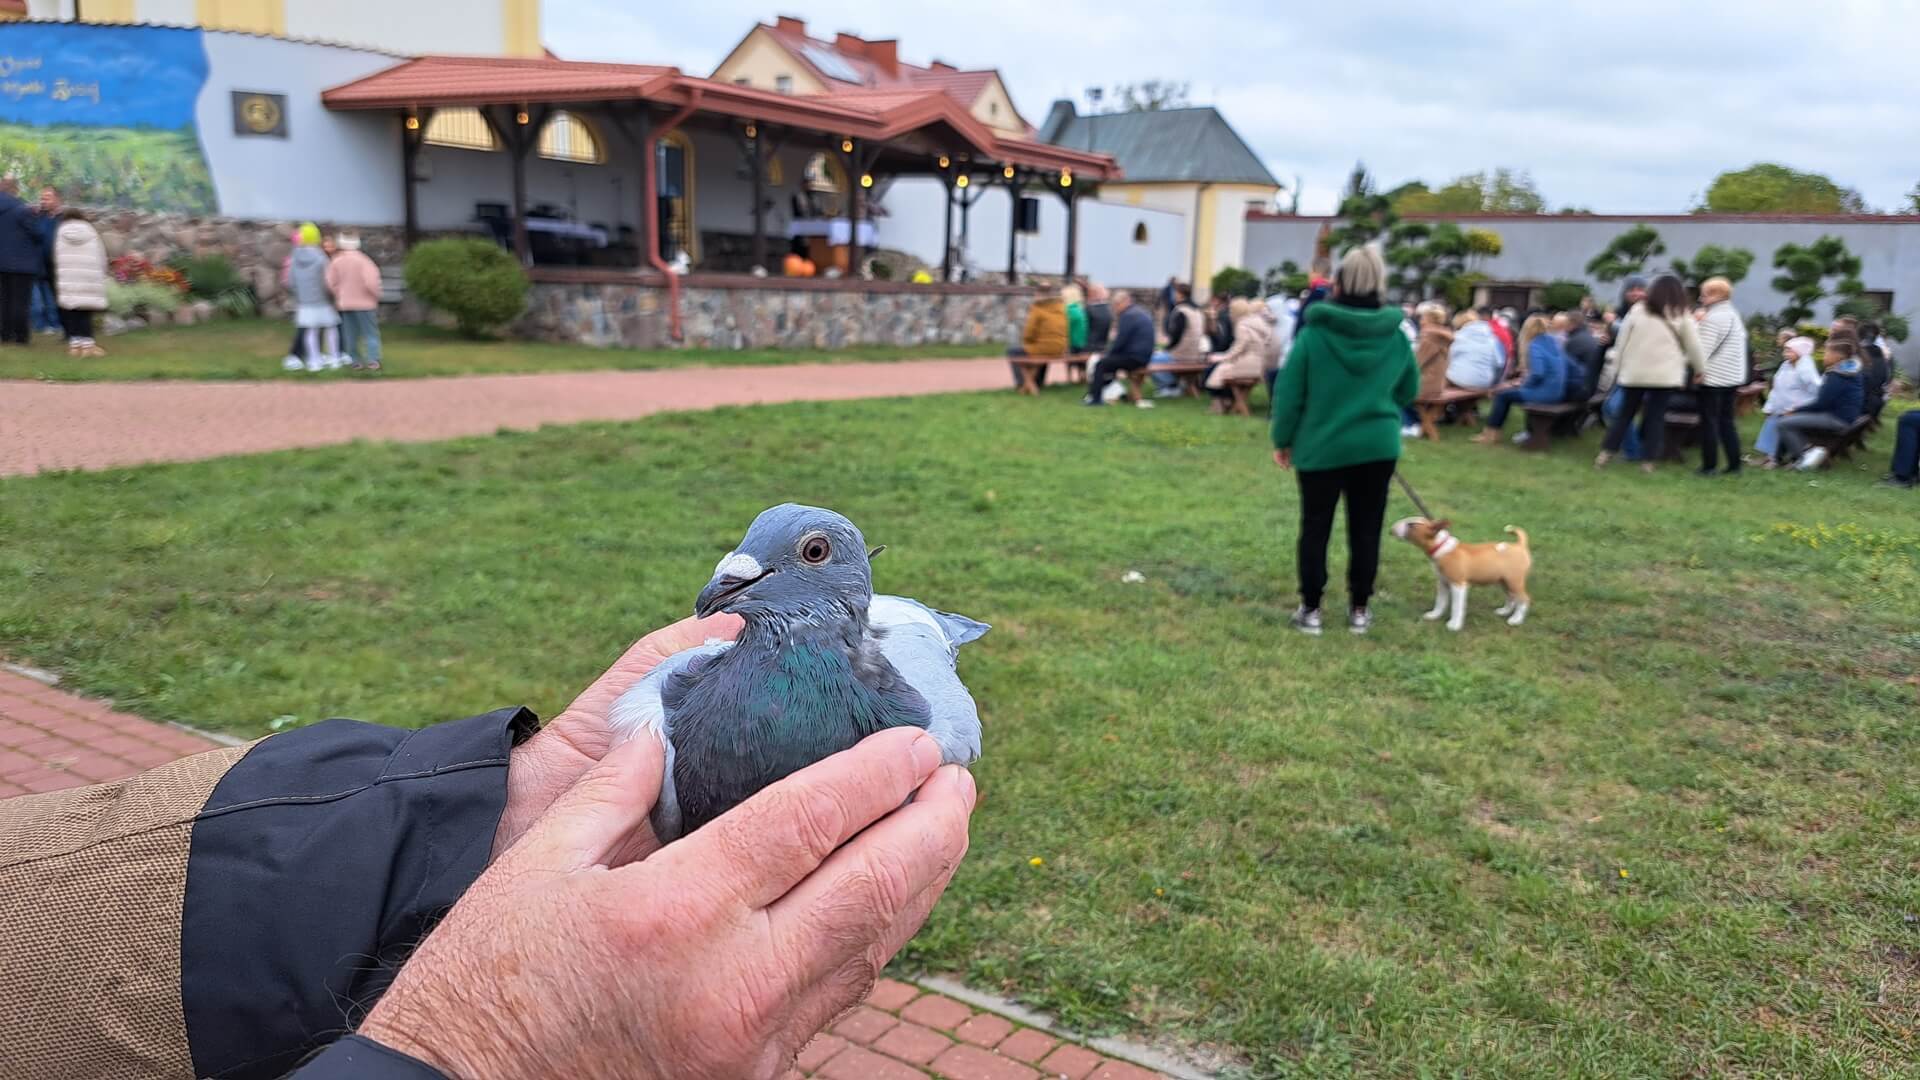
point(1432, 409)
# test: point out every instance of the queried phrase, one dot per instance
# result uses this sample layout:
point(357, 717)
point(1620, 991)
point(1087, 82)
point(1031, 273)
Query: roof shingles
point(1190, 145)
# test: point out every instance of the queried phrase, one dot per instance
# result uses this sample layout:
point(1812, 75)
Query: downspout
point(651, 172)
point(1193, 236)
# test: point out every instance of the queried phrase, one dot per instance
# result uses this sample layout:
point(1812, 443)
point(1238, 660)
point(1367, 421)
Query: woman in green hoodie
point(1336, 421)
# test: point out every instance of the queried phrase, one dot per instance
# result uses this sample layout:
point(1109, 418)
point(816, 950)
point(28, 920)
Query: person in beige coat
point(1658, 347)
point(80, 275)
point(1247, 356)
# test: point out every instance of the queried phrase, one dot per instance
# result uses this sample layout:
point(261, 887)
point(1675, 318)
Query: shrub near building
point(477, 282)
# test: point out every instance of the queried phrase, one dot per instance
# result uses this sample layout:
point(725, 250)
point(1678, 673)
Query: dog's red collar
point(1443, 542)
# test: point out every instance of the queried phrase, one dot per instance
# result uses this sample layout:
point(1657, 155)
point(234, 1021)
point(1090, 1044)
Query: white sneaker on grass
point(292, 363)
point(1812, 459)
point(1411, 431)
point(1306, 620)
point(1359, 620)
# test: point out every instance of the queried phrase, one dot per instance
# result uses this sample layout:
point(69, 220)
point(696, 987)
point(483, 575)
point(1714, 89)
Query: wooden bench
point(1032, 366)
point(1542, 417)
point(1242, 404)
point(1077, 366)
point(1432, 409)
point(1841, 444)
point(1189, 374)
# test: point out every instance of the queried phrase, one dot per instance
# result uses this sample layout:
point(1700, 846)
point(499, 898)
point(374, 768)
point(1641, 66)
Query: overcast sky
point(1626, 107)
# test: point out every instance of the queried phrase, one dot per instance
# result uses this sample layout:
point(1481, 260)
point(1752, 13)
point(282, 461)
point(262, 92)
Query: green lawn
point(253, 349)
point(1665, 829)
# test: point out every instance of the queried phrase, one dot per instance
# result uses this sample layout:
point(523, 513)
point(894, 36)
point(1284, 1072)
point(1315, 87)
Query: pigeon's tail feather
point(887, 612)
point(960, 629)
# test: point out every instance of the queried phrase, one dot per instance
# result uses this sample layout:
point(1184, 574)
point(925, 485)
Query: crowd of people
point(53, 271)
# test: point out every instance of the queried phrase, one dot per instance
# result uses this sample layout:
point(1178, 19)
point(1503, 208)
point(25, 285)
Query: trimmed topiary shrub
point(1235, 281)
point(1563, 295)
point(476, 281)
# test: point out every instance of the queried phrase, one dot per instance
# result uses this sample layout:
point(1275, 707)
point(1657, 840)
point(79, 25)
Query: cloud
point(1628, 106)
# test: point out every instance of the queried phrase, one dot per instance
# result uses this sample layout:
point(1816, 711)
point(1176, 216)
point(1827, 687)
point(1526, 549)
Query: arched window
point(1140, 233)
point(568, 138)
point(462, 128)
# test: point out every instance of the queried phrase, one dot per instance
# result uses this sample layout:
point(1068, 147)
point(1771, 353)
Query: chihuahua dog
point(1460, 565)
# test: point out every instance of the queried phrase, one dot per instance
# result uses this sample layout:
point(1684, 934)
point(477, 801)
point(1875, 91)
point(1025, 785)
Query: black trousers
point(16, 299)
point(1653, 433)
point(1104, 372)
point(1717, 431)
point(1365, 487)
point(77, 323)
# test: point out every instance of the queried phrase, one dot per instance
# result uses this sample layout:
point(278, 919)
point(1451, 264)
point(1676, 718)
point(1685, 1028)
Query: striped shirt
point(1723, 337)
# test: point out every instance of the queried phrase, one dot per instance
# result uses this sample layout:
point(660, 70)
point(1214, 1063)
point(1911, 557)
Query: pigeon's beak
point(723, 590)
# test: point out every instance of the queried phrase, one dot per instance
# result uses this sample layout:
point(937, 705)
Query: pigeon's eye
point(815, 550)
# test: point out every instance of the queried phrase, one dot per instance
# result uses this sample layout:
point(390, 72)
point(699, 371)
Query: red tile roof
point(963, 86)
point(474, 80)
point(433, 81)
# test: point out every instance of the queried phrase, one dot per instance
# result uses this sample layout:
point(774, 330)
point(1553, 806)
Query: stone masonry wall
point(634, 316)
point(256, 248)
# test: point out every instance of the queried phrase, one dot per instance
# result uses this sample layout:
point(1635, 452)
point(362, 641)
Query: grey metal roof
point(1196, 144)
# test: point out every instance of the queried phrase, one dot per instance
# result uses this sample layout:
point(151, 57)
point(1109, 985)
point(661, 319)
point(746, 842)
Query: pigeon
point(820, 664)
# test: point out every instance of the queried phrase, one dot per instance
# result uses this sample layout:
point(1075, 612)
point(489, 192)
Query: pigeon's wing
point(643, 710)
point(922, 645)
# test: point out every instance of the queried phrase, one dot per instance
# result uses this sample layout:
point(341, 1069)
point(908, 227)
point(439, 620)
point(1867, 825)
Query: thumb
point(602, 819)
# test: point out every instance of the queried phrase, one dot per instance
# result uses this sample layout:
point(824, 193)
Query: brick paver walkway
point(50, 740)
point(99, 425)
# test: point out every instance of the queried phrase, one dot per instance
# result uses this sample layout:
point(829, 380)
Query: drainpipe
point(652, 173)
point(1193, 238)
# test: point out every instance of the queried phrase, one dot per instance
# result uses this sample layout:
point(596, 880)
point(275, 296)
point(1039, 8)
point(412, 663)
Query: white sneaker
point(317, 363)
point(1411, 431)
point(1812, 459)
point(1169, 392)
point(1145, 404)
point(292, 363)
point(1523, 438)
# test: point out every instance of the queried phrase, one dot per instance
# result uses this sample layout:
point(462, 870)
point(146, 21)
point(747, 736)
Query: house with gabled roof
point(784, 57)
point(1188, 161)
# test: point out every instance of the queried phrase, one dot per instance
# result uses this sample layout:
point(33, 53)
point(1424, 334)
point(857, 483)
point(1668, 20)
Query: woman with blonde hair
point(1245, 358)
point(1336, 415)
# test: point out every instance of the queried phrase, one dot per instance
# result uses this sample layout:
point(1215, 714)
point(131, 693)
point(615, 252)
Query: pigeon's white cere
point(737, 565)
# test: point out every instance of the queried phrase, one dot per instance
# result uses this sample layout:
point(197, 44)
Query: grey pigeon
point(821, 664)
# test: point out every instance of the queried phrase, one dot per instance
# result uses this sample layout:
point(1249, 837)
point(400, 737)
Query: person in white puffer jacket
point(80, 277)
point(1795, 385)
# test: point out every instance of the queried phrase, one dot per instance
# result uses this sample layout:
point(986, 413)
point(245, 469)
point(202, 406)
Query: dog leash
point(1408, 488)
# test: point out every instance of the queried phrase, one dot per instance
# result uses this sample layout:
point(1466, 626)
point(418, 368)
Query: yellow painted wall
point(521, 34)
point(108, 11)
point(248, 16)
point(994, 108)
point(761, 60)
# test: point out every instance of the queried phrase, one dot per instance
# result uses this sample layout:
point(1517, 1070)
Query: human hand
point(717, 957)
point(549, 763)
point(1283, 458)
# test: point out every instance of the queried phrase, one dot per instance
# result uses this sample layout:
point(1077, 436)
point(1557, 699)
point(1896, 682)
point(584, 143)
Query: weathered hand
point(717, 957)
point(550, 762)
point(1283, 458)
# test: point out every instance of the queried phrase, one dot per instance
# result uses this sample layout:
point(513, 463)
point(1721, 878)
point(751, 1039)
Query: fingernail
point(926, 755)
point(967, 785)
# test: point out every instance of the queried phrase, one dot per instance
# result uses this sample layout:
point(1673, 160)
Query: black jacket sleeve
point(355, 1058)
point(318, 863)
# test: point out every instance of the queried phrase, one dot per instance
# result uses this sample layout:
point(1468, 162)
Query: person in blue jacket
point(22, 259)
point(1835, 408)
point(1546, 380)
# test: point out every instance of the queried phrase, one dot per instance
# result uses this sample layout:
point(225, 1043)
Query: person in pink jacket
point(355, 282)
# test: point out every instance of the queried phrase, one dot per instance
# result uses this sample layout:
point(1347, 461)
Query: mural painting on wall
point(105, 114)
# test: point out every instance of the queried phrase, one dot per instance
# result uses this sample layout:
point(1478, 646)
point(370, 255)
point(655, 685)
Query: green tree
point(1432, 259)
point(1627, 253)
point(1235, 281)
point(1913, 199)
point(1714, 261)
point(1804, 272)
point(1867, 309)
point(1563, 295)
point(1768, 188)
point(1286, 279)
point(1365, 214)
point(1152, 95)
point(1503, 191)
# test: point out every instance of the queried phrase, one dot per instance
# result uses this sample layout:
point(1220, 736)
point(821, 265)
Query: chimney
point(885, 55)
point(942, 66)
point(787, 24)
